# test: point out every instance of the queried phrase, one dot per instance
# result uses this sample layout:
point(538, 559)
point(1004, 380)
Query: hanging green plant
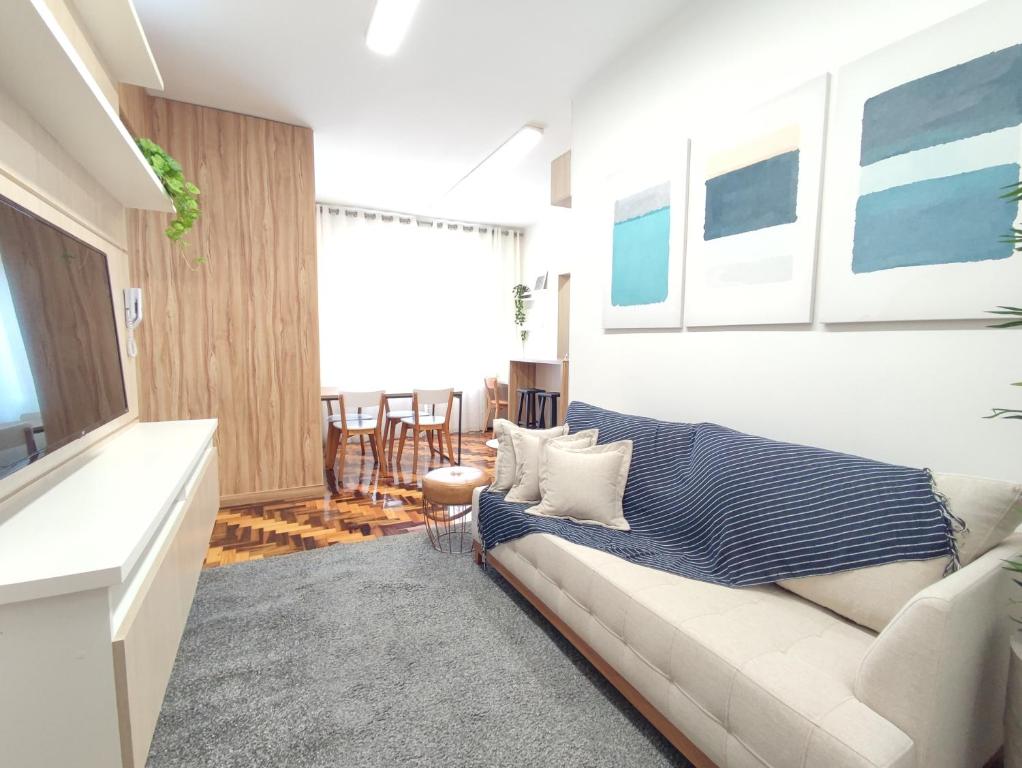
point(519, 292)
point(182, 192)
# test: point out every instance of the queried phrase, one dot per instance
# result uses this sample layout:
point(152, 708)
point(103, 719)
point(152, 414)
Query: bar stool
point(544, 398)
point(527, 406)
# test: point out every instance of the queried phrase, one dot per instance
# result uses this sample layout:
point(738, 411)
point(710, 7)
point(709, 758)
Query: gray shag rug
point(385, 654)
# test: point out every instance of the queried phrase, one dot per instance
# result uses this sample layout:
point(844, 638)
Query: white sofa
point(755, 677)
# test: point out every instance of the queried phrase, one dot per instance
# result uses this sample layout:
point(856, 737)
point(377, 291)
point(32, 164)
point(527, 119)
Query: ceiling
point(398, 133)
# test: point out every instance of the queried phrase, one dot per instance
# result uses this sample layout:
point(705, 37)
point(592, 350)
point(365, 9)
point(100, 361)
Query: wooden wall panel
point(560, 180)
point(236, 338)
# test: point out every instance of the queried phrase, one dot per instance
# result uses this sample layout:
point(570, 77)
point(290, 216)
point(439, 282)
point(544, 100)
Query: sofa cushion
point(584, 484)
point(504, 469)
point(990, 509)
point(530, 445)
point(752, 671)
point(651, 440)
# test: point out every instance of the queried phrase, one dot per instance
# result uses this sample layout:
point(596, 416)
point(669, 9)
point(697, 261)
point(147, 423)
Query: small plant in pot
point(521, 293)
point(182, 192)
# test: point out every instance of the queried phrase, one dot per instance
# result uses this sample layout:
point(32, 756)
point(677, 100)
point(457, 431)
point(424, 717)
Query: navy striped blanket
point(709, 503)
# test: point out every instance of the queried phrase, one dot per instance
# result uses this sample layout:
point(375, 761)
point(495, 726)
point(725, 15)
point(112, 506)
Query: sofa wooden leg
point(477, 553)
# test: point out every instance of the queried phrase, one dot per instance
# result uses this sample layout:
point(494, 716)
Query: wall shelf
point(41, 69)
point(115, 30)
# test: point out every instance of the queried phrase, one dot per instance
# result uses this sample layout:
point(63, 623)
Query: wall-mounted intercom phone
point(132, 316)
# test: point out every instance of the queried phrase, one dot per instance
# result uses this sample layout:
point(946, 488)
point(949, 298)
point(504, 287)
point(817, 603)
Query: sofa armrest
point(939, 670)
point(475, 514)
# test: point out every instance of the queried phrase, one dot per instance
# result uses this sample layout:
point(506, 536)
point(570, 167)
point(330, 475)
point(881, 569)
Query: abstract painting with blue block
point(935, 152)
point(756, 182)
point(641, 249)
point(756, 196)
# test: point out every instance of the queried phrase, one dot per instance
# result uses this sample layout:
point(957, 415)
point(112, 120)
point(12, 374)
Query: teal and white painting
point(755, 202)
point(647, 222)
point(927, 134)
point(642, 248)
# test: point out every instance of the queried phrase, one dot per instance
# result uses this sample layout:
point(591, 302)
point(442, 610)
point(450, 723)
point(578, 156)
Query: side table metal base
point(448, 527)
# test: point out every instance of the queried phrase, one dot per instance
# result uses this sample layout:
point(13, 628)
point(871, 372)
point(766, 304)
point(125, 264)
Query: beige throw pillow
point(529, 449)
point(504, 470)
point(586, 485)
point(991, 510)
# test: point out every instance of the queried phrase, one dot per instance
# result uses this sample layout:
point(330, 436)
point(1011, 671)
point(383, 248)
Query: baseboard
point(279, 494)
point(680, 741)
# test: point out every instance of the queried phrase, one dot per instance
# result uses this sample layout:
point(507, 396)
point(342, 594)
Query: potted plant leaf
point(182, 192)
point(1013, 708)
point(521, 293)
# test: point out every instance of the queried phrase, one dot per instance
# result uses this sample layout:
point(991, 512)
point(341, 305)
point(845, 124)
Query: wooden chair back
point(422, 398)
point(351, 402)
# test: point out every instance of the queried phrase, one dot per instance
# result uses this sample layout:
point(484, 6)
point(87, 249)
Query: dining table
point(330, 395)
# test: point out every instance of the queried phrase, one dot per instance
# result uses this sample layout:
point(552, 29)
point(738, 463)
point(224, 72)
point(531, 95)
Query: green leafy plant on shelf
point(1013, 194)
point(182, 192)
point(520, 291)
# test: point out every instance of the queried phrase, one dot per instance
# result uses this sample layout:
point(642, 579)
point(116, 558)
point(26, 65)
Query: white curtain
point(407, 303)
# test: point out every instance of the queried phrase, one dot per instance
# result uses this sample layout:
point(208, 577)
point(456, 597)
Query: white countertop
point(89, 530)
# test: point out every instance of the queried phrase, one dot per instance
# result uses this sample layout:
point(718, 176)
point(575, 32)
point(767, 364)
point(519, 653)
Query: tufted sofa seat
point(759, 677)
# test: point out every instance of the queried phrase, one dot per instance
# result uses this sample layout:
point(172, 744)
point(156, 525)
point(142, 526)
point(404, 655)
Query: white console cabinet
point(97, 574)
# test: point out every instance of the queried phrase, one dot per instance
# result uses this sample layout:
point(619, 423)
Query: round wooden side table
point(447, 507)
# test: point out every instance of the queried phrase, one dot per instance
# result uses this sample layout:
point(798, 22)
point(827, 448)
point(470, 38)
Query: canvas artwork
point(755, 202)
point(647, 244)
point(926, 137)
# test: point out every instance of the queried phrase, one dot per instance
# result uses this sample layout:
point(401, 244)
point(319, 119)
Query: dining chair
point(391, 424)
point(428, 424)
point(352, 422)
point(330, 413)
point(496, 398)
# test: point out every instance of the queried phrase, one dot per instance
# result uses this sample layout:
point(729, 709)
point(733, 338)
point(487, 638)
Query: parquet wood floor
point(370, 503)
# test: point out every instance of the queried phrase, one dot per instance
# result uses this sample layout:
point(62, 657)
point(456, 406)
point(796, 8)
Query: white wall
point(548, 246)
point(907, 392)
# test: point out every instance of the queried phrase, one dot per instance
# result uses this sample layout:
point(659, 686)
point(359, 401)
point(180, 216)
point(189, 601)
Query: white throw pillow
point(586, 485)
point(529, 449)
point(991, 510)
point(504, 470)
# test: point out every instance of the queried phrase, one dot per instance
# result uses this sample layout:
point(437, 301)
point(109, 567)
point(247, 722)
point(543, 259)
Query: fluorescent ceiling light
point(507, 155)
point(512, 151)
point(389, 24)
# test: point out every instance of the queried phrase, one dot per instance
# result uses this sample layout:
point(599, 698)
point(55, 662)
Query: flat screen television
point(60, 363)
